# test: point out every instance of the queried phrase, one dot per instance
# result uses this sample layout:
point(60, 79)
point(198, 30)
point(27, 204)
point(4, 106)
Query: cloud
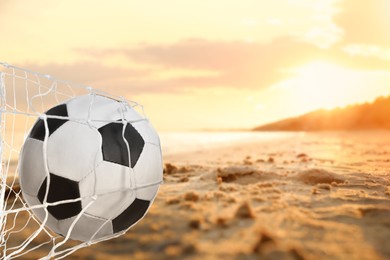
point(233, 64)
point(364, 21)
point(236, 63)
point(91, 73)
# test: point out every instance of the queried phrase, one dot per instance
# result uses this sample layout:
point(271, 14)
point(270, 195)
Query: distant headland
point(373, 115)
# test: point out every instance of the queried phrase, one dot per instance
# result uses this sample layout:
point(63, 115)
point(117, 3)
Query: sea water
point(191, 141)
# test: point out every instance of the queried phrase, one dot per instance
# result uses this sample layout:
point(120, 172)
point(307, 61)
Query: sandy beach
point(315, 196)
point(299, 196)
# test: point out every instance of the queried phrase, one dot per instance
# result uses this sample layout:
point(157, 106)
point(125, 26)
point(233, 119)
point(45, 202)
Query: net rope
point(25, 96)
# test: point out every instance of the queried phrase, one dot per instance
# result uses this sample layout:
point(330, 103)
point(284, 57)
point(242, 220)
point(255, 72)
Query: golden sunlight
point(323, 84)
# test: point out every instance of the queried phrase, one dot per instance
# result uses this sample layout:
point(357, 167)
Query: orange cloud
point(237, 64)
point(233, 64)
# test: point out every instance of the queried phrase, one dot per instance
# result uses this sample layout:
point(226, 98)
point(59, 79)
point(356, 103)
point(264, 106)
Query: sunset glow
point(208, 65)
point(327, 85)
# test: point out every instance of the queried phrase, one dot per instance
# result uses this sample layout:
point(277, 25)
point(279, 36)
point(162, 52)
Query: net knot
point(89, 122)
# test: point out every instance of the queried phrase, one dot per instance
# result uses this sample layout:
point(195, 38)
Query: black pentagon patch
point(129, 216)
point(38, 130)
point(61, 189)
point(114, 147)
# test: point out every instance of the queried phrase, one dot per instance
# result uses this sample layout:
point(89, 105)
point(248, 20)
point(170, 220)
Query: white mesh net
point(25, 96)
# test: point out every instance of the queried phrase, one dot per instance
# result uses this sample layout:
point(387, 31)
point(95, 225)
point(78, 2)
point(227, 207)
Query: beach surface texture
point(303, 196)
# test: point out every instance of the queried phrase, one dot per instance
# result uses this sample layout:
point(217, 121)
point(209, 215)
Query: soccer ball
point(98, 167)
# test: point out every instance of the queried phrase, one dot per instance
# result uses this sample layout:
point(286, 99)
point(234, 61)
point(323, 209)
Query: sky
point(214, 64)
